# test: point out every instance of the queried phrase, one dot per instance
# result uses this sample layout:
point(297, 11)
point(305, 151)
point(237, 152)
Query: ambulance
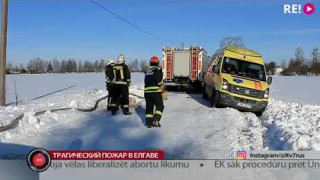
point(236, 77)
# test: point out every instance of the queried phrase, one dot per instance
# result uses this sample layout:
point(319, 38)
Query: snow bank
point(31, 124)
point(249, 132)
point(292, 126)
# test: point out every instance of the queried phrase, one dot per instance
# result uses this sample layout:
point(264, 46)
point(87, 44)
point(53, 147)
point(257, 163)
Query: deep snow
point(299, 89)
point(190, 129)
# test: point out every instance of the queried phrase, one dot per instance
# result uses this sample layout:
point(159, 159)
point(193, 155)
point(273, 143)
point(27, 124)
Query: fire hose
point(20, 117)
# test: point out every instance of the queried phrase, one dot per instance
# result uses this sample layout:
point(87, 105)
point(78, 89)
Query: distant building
point(278, 70)
point(23, 71)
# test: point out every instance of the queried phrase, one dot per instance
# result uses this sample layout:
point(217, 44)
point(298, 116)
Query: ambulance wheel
point(198, 87)
point(259, 113)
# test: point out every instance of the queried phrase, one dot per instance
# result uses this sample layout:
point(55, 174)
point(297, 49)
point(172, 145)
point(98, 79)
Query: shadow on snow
point(102, 131)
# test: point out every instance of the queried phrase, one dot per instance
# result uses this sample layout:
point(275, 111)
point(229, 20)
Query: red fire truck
point(183, 67)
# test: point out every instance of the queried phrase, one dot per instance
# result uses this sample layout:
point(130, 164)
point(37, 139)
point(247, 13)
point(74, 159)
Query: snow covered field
point(299, 89)
point(190, 129)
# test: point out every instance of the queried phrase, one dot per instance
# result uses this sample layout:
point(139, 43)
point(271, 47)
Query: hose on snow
point(18, 118)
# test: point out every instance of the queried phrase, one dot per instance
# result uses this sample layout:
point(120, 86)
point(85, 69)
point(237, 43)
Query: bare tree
point(9, 68)
point(315, 55)
point(56, 65)
point(232, 41)
point(96, 66)
point(101, 65)
point(299, 54)
point(63, 66)
point(315, 64)
point(143, 65)
point(88, 67)
point(37, 65)
point(71, 65)
point(80, 66)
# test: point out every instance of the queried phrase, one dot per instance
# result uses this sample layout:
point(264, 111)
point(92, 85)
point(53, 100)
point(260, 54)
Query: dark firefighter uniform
point(122, 80)
point(152, 93)
point(109, 84)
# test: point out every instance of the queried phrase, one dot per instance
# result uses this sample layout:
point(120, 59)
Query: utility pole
point(4, 23)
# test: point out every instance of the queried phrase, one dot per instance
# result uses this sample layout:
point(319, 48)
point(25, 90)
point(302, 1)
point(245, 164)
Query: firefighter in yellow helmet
point(152, 93)
point(121, 81)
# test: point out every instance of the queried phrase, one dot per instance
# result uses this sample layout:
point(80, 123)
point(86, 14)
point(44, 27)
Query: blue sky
point(81, 30)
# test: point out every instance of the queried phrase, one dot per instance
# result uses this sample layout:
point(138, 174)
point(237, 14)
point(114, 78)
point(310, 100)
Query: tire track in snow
point(224, 130)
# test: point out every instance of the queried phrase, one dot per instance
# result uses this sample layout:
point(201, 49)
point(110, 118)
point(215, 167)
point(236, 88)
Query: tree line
point(300, 65)
point(39, 66)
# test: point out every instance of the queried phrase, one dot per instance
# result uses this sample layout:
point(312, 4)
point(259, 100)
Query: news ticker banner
point(107, 155)
point(150, 164)
point(40, 160)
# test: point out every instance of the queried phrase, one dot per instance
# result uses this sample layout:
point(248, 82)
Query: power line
point(124, 20)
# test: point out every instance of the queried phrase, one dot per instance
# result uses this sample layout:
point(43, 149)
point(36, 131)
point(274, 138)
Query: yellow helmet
point(121, 58)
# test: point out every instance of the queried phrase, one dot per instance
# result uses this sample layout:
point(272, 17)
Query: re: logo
point(292, 8)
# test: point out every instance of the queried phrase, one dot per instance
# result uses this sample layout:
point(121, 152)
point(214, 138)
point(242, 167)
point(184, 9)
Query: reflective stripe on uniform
point(149, 115)
point(113, 105)
point(120, 82)
point(159, 113)
point(121, 74)
point(157, 91)
point(120, 68)
point(151, 67)
point(126, 106)
point(114, 73)
point(152, 88)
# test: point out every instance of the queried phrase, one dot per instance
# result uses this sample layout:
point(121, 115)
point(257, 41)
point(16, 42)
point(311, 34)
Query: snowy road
point(190, 129)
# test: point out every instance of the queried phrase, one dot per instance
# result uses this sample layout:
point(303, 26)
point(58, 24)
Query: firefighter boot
point(149, 123)
point(126, 111)
point(156, 121)
point(114, 110)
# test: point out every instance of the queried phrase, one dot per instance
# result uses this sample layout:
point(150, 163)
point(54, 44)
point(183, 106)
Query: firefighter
point(109, 81)
point(152, 93)
point(122, 80)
